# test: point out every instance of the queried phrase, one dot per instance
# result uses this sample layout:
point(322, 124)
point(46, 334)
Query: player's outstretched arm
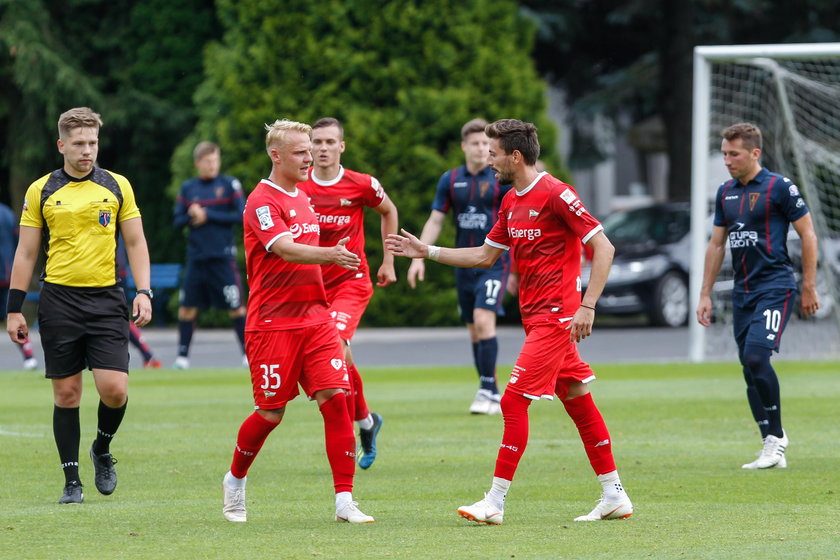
point(715, 252)
point(286, 248)
point(407, 245)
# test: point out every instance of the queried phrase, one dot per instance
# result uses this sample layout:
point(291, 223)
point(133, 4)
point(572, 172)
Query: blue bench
point(165, 277)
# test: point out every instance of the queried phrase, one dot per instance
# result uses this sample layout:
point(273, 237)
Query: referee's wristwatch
point(148, 293)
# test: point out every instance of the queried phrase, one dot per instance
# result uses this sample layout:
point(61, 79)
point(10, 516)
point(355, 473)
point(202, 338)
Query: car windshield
point(641, 225)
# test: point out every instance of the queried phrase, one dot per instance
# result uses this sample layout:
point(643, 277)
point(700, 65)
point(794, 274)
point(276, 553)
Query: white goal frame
point(704, 56)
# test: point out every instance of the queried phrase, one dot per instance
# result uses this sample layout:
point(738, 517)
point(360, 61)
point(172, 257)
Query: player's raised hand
point(406, 245)
point(344, 257)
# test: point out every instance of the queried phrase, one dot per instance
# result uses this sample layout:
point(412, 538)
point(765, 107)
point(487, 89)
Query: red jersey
point(283, 295)
point(543, 227)
point(340, 205)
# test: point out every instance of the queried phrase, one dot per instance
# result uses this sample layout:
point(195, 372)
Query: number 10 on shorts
point(271, 379)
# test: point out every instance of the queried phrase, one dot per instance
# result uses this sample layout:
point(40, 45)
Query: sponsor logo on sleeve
point(264, 216)
point(237, 186)
point(794, 190)
point(374, 183)
point(568, 196)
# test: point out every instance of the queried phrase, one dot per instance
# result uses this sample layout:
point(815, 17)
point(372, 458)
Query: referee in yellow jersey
point(77, 212)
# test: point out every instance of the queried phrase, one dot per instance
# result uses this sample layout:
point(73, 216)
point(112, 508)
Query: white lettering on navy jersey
point(472, 219)
point(732, 197)
point(739, 239)
point(460, 184)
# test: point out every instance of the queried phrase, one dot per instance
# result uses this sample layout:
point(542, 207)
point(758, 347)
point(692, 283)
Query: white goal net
point(792, 92)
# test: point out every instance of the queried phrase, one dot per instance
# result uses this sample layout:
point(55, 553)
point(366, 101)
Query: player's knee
point(513, 404)
point(187, 313)
point(756, 359)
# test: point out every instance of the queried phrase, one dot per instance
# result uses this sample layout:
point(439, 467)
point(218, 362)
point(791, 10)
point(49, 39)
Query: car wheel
point(669, 307)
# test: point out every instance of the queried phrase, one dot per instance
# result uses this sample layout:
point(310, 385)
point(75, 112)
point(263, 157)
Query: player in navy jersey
point(210, 205)
point(543, 223)
point(474, 195)
point(9, 231)
point(753, 212)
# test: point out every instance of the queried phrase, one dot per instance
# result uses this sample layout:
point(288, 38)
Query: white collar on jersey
point(531, 186)
point(329, 183)
point(281, 189)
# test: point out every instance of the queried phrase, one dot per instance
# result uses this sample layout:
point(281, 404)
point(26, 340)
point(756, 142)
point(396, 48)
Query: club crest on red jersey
point(754, 196)
point(104, 218)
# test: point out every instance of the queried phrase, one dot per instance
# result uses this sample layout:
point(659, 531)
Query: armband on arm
point(15, 302)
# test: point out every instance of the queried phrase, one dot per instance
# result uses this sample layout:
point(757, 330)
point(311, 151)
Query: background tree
point(137, 64)
point(635, 58)
point(401, 76)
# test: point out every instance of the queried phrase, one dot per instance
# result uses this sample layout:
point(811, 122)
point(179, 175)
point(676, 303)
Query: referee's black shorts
point(83, 327)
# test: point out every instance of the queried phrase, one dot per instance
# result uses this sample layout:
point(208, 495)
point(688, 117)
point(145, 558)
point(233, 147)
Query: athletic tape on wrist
point(434, 252)
point(15, 302)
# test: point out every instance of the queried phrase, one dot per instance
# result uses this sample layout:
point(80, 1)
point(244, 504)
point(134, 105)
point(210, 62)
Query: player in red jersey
point(542, 221)
point(290, 338)
point(340, 196)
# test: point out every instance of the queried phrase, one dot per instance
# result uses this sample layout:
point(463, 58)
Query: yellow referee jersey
point(78, 218)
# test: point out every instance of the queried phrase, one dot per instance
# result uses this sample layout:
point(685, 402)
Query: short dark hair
point(516, 135)
point(473, 126)
point(329, 121)
point(749, 134)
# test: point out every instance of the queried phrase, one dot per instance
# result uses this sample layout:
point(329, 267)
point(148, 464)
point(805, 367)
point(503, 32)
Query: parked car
point(649, 273)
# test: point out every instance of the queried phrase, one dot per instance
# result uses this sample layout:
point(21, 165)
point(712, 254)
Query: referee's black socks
point(109, 420)
point(67, 434)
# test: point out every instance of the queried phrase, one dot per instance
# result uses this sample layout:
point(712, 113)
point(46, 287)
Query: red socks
point(593, 432)
point(515, 436)
point(340, 441)
point(357, 406)
point(250, 440)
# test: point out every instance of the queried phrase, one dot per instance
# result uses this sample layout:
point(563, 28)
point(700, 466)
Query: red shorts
point(548, 363)
point(280, 360)
point(348, 302)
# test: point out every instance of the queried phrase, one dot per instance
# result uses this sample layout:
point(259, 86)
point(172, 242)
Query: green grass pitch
point(680, 433)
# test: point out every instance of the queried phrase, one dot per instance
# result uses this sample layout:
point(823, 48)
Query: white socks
point(497, 493)
point(611, 485)
point(233, 482)
point(342, 499)
point(366, 423)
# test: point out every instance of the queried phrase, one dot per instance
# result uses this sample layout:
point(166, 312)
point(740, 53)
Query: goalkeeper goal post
point(792, 93)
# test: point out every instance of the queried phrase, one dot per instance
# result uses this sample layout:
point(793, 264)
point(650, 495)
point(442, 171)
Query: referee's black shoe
point(72, 493)
point(105, 475)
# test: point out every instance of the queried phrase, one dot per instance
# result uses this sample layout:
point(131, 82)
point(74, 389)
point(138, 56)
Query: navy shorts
point(83, 327)
point(212, 283)
point(760, 318)
point(481, 288)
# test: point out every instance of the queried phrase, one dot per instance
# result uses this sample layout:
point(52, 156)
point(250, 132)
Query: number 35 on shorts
point(271, 379)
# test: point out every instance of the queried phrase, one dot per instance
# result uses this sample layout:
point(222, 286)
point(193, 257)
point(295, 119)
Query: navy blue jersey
point(475, 200)
point(757, 217)
point(8, 244)
point(224, 202)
